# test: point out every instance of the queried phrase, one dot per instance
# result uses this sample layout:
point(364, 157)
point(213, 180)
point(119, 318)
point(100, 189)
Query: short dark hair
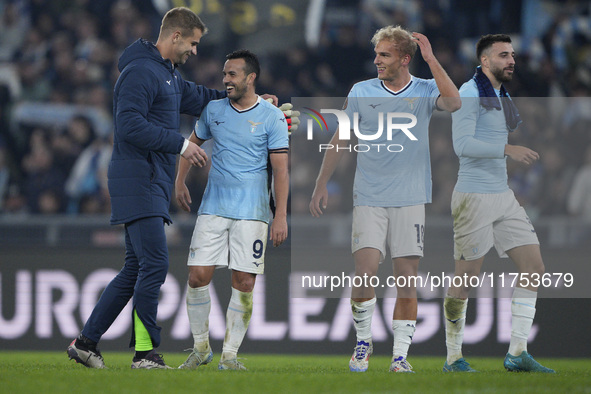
point(488, 40)
point(250, 59)
point(184, 20)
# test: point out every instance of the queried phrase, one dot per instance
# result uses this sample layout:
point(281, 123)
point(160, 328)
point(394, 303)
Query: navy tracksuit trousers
point(144, 272)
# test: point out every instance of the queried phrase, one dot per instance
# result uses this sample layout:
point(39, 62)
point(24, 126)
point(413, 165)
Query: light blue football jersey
point(479, 138)
point(237, 183)
point(392, 170)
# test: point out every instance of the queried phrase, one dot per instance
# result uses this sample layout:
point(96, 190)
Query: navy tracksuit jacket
point(149, 97)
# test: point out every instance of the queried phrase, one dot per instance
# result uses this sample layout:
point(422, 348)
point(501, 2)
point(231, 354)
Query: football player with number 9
point(231, 229)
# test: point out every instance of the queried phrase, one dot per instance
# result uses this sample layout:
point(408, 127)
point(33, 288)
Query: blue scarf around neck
point(490, 100)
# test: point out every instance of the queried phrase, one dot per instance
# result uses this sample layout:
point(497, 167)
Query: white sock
point(237, 320)
point(523, 310)
point(454, 310)
point(362, 313)
point(403, 332)
point(198, 307)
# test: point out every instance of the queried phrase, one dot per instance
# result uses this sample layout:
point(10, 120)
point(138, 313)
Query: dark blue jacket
point(149, 97)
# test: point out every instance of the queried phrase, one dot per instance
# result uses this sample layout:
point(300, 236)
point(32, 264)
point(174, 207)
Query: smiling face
point(184, 47)
point(499, 59)
point(389, 62)
point(236, 80)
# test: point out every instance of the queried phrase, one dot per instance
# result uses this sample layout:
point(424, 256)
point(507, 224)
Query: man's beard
point(499, 74)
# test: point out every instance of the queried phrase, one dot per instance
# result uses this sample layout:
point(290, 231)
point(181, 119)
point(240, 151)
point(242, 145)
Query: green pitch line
point(52, 372)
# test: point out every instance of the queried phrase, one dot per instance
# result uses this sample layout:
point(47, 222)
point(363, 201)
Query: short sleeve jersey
point(237, 184)
point(392, 170)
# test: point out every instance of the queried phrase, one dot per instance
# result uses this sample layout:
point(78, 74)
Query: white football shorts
point(237, 244)
point(401, 228)
point(484, 220)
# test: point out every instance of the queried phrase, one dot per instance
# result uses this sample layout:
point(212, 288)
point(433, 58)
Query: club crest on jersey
point(253, 125)
point(411, 102)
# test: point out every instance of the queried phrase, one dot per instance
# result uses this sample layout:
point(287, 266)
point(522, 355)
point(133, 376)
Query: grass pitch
point(52, 372)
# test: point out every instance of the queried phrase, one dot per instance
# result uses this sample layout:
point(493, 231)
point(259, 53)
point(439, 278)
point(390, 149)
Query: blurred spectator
point(86, 186)
point(15, 202)
point(13, 22)
point(69, 143)
point(5, 97)
point(347, 68)
point(579, 198)
point(572, 33)
point(470, 18)
point(50, 202)
point(65, 52)
point(44, 182)
point(553, 183)
point(4, 177)
point(380, 13)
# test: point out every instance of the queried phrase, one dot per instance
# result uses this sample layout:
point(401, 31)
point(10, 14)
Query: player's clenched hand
point(423, 43)
point(278, 230)
point(521, 154)
point(319, 198)
point(183, 197)
point(195, 155)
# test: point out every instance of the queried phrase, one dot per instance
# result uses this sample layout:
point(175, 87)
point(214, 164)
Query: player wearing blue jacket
point(150, 94)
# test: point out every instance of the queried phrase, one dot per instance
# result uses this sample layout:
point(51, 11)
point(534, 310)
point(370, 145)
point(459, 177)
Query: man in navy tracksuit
point(149, 97)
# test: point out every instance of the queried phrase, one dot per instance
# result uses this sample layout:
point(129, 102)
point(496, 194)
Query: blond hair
point(183, 19)
point(402, 38)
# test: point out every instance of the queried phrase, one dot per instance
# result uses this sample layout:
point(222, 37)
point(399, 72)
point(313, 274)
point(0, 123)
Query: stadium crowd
point(58, 65)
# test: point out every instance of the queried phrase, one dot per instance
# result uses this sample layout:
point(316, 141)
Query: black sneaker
point(90, 358)
point(151, 360)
